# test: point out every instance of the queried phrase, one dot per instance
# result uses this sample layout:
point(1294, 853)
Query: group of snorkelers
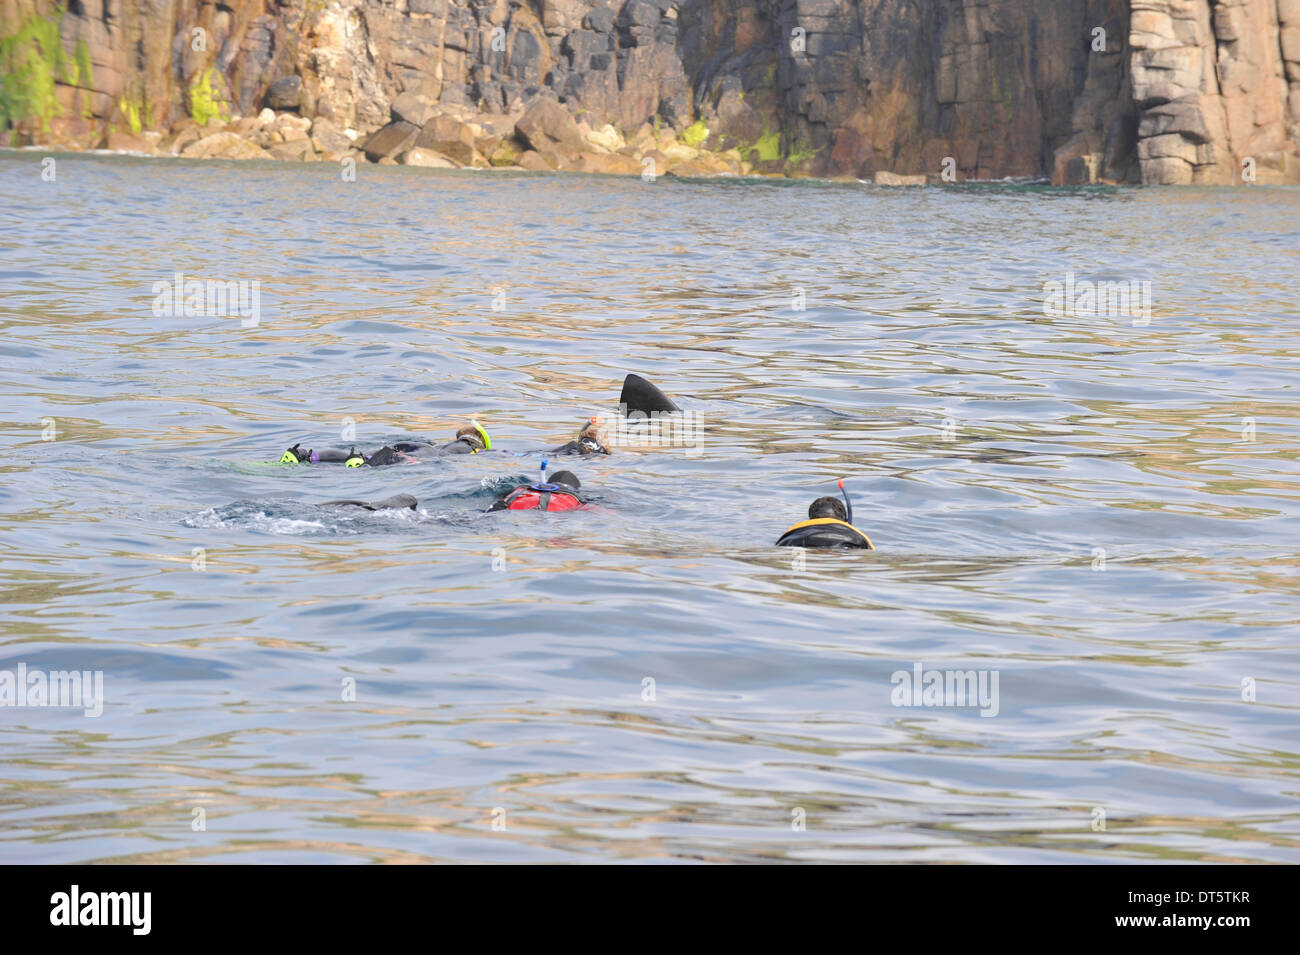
point(829, 523)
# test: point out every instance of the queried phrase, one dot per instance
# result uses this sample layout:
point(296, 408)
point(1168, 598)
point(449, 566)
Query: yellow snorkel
point(487, 438)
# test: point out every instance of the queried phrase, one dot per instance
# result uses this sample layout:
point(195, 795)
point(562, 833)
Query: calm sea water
point(1099, 510)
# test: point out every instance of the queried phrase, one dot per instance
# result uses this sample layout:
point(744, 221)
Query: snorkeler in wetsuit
point(590, 440)
point(470, 439)
point(829, 524)
point(559, 492)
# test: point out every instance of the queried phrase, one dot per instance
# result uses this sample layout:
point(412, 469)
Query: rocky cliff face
point(1166, 91)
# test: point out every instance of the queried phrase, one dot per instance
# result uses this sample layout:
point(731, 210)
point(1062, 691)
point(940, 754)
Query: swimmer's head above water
point(828, 506)
point(590, 440)
point(472, 438)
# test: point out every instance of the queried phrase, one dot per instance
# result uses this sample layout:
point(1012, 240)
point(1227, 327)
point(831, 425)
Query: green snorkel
point(487, 438)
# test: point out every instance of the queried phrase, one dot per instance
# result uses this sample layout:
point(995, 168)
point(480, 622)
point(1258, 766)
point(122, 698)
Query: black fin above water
point(641, 396)
point(397, 502)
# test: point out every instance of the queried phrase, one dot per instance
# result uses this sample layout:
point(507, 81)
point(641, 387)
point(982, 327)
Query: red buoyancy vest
point(526, 499)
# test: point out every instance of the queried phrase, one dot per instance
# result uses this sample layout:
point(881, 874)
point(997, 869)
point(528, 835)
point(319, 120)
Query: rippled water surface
point(1074, 503)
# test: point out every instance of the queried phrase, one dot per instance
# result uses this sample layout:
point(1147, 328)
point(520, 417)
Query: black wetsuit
point(458, 446)
point(824, 532)
point(393, 453)
point(388, 454)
